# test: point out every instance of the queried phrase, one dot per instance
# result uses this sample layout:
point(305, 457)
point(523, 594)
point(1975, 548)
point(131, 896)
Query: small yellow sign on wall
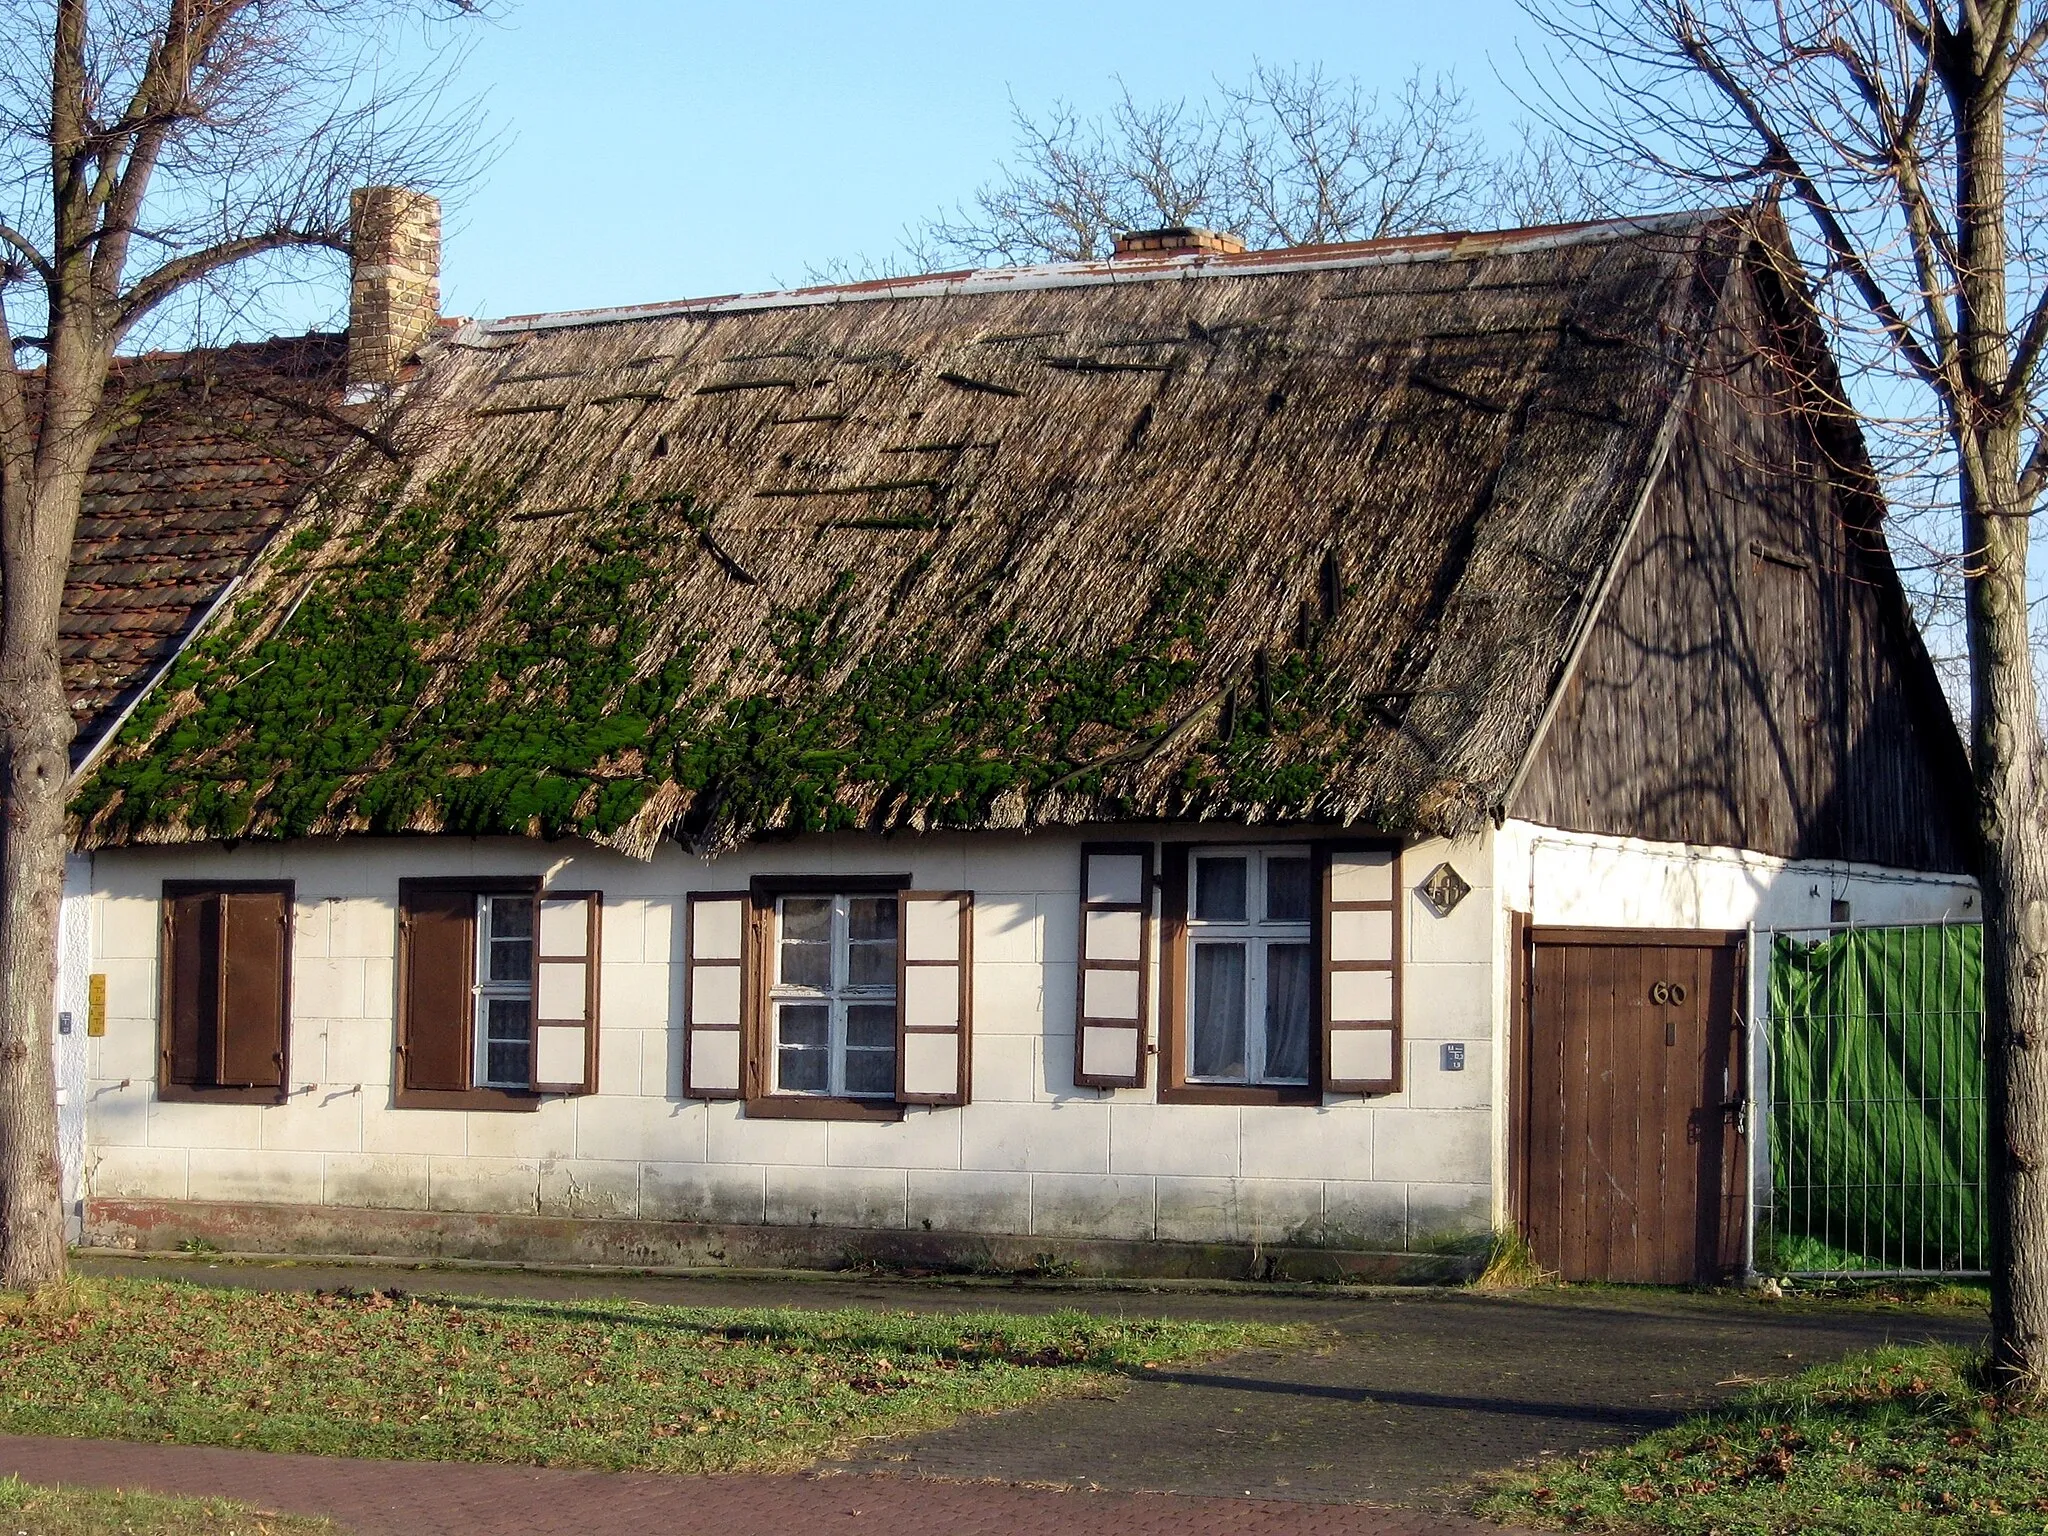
point(96, 1004)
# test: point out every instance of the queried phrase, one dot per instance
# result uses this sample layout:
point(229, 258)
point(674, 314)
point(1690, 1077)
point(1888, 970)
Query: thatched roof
point(224, 445)
point(1301, 535)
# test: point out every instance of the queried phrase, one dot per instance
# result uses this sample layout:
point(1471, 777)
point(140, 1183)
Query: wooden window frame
point(962, 1028)
point(1520, 978)
point(592, 962)
point(757, 1011)
point(504, 1100)
point(1176, 862)
point(1328, 851)
point(1141, 1027)
point(695, 968)
point(194, 1093)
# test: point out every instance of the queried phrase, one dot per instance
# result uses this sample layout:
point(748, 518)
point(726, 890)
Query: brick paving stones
point(397, 1498)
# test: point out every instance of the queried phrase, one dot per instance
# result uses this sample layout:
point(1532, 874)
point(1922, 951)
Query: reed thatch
point(1301, 536)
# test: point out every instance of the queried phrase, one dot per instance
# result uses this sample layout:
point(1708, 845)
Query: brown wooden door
point(1632, 1065)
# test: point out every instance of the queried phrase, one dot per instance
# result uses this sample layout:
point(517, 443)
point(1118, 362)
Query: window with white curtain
point(1251, 966)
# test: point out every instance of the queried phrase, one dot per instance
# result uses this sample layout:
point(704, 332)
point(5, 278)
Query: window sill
point(794, 1107)
point(500, 1099)
point(1230, 1093)
point(192, 1093)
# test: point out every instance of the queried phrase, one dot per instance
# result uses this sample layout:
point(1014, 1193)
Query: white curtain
point(1290, 1007)
point(1219, 1011)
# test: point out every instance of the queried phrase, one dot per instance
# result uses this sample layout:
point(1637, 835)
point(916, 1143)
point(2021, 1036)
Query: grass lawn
point(578, 1384)
point(32, 1511)
point(1897, 1440)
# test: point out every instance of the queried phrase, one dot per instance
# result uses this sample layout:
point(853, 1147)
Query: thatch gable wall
point(1754, 679)
point(1302, 541)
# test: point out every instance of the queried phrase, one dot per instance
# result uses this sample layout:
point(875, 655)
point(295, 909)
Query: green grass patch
point(1896, 1440)
point(612, 1384)
point(27, 1510)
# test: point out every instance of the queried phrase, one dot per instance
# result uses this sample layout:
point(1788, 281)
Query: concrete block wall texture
point(1032, 1154)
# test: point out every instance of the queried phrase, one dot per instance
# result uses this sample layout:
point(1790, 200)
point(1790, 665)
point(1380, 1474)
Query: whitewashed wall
point(74, 967)
point(1583, 880)
point(1031, 1154)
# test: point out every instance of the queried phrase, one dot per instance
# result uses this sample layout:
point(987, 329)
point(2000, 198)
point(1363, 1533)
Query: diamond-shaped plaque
point(1443, 888)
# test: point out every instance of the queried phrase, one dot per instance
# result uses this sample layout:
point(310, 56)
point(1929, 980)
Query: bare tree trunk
point(2007, 748)
point(35, 771)
point(129, 88)
point(2015, 884)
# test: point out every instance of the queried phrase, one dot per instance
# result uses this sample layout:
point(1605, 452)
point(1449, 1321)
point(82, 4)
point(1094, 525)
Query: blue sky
point(657, 151)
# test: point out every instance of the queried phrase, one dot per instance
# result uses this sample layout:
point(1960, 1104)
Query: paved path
point(1413, 1394)
point(397, 1498)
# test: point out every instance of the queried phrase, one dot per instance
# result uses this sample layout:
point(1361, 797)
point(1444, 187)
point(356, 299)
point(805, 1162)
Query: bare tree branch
point(1286, 156)
point(196, 266)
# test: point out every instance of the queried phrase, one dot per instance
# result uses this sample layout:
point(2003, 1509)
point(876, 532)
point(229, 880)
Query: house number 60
point(1668, 992)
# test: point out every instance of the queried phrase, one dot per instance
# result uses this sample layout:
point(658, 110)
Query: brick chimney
point(394, 290)
point(1179, 241)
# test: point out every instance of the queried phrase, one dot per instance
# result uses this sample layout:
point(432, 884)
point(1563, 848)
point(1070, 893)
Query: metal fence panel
point(1873, 1088)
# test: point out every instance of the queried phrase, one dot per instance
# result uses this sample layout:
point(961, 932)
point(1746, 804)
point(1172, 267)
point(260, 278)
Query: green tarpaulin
point(1877, 1101)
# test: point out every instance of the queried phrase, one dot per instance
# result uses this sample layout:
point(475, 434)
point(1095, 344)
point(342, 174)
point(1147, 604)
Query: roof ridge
point(1123, 269)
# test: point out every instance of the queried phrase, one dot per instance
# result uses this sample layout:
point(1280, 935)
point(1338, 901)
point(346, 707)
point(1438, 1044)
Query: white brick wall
point(1031, 1154)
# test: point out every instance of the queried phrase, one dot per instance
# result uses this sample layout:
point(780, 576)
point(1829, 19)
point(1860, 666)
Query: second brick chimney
point(394, 294)
point(1182, 240)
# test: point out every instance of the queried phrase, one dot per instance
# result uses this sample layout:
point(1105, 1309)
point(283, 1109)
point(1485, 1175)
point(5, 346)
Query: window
point(835, 995)
point(497, 993)
point(1279, 969)
point(840, 1000)
point(504, 993)
point(1251, 959)
point(226, 990)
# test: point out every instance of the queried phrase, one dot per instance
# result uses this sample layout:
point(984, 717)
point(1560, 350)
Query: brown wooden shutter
point(565, 992)
point(934, 996)
point(1115, 956)
point(191, 990)
point(713, 952)
point(254, 988)
point(436, 971)
point(1361, 943)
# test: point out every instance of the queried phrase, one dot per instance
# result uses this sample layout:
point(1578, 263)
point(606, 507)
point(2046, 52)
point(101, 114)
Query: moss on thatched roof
point(1297, 537)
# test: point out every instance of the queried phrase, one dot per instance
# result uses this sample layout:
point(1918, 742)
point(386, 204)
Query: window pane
point(871, 965)
point(871, 917)
point(511, 960)
point(507, 1041)
point(871, 1024)
point(1290, 999)
point(506, 1018)
point(804, 1024)
point(871, 1073)
point(801, 1071)
point(506, 1063)
point(1287, 890)
point(511, 917)
point(807, 965)
point(1219, 890)
point(807, 918)
point(1218, 1011)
